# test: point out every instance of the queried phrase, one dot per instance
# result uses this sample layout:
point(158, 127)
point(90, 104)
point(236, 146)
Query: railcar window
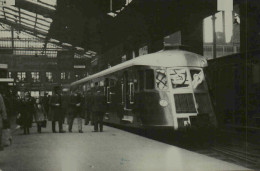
point(197, 79)
point(141, 79)
point(256, 73)
point(101, 83)
point(161, 79)
point(179, 78)
point(149, 79)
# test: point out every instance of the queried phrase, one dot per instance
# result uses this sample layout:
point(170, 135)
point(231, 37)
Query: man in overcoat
point(99, 107)
point(55, 110)
point(27, 111)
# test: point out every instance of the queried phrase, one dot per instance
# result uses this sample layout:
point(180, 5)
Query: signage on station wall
point(3, 66)
point(143, 50)
point(7, 2)
point(79, 66)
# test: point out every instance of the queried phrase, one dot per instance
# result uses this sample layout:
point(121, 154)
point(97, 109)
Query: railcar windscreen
point(197, 79)
point(179, 78)
point(161, 79)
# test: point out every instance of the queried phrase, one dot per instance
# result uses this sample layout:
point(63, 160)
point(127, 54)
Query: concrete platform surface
point(111, 150)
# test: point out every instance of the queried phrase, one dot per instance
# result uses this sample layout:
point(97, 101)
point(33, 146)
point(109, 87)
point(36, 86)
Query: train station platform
point(112, 149)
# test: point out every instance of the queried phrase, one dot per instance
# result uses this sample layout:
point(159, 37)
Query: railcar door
point(127, 89)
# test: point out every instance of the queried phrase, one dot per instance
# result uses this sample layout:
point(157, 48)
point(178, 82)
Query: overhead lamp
point(87, 56)
point(66, 44)
point(112, 14)
point(54, 41)
point(92, 52)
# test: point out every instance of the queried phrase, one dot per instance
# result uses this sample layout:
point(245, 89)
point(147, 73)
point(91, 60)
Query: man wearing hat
point(55, 110)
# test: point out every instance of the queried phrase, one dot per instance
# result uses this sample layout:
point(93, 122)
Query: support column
point(192, 35)
point(214, 36)
point(249, 25)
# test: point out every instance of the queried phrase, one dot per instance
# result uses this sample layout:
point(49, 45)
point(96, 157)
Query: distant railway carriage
point(163, 89)
point(234, 82)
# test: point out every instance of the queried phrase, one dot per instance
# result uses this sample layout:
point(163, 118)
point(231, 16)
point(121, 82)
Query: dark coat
point(99, 103)
point(27, 111)
point(55, 112)
point(76, 105)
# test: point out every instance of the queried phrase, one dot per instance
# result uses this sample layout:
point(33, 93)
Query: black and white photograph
point(129, 85)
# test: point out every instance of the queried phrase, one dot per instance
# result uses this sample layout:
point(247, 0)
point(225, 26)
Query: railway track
point(248, 156)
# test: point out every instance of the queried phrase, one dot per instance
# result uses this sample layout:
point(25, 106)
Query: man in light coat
point(75, 104)
point(3, 116)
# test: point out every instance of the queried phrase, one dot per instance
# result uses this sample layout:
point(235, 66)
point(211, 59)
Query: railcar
point(162, 89)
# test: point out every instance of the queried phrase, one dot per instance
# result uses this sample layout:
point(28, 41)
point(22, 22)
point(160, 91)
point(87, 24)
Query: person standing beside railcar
point(98, 109)
point(27, 111)
point(3, 116)
point(45, 103)
point(76, 103)
point(55, 110)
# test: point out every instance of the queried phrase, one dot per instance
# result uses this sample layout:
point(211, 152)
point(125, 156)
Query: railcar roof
point(164, 58)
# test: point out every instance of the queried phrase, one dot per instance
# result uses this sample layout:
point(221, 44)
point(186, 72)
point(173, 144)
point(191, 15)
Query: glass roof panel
point(45, 31)
point(24, 35)
point(45, 19)
point(24, 24)
point(42, 27)
point(50, 2)
point(43, 22)
point(41, 3)
point(12, 20)
point(1, 14)
point(41, 36)
point(11, 7)
point(28, 12)
point(4, 26)
point(10, 16)
point(6, 10)
point(27, 17)
point(28, 22)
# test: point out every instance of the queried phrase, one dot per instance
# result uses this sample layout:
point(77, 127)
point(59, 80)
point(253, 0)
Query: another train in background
point(234, 84)
point(166, 89)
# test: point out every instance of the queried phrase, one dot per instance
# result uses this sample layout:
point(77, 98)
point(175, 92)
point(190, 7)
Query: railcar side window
point(149, 79)
point(256, 73)
point(179, 78)
point(141, 79)
point(161, 79)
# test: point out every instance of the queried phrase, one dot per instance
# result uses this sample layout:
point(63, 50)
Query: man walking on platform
point(55, 110)
point(75, 104)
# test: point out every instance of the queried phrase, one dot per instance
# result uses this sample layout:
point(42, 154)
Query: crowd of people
point(51, 108)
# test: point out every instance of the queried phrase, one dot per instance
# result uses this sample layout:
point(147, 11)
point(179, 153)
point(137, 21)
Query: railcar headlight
point(203, 63)
point(163, 103)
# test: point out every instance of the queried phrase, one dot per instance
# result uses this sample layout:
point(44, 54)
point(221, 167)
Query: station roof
point(31, 16)
point(97, 25)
